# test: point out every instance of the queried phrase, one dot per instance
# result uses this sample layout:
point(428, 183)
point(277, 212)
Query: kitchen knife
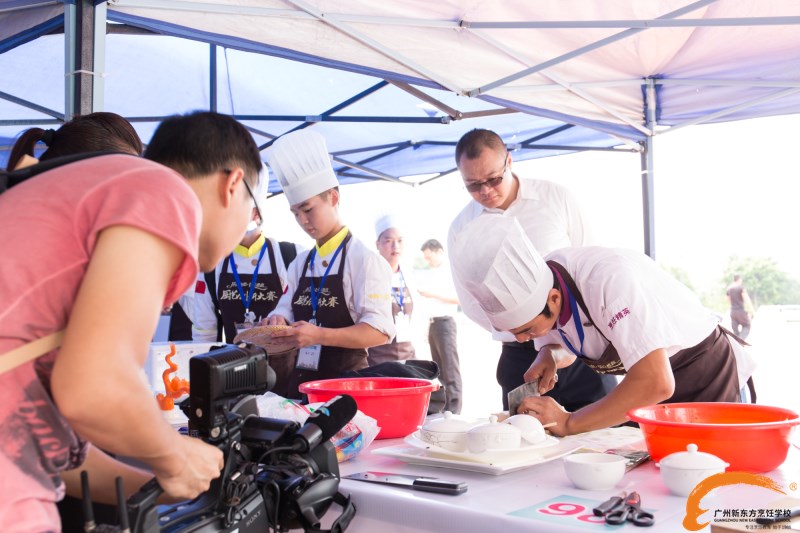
point(426, 484)
point(516, 396)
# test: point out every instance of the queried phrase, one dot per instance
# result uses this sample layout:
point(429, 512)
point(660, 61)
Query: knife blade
point(426, 484)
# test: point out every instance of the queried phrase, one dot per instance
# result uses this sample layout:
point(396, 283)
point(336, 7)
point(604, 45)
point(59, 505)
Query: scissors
point(630, 512)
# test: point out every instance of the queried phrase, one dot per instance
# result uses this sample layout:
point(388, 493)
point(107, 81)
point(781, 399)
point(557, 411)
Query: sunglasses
point(476, 186)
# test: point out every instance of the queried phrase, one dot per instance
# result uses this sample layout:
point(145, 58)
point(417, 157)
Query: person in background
point(741, 307)
point(613, 309)
point(436, 286)
point(142, 227)
point(95, 132)
point(230, 299)
point(337, 300)
point(552, 219)
point(390, 244)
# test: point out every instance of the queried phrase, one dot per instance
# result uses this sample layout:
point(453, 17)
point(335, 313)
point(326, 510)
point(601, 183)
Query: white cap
point(302, 165)
point(385, 222)
point(496, 262)
point(260, 195)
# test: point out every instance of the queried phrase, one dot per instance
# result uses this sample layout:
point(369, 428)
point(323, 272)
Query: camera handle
point(142, 508)
point(341, 523)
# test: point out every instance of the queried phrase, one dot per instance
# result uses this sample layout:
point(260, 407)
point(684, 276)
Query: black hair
point(95, 132)
point(546, 311)
point(204, 142)
point(473, 142)
point(432, 245)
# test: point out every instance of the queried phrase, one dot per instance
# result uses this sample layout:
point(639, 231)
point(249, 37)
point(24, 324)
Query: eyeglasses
point(476, 186)
point(252, 197)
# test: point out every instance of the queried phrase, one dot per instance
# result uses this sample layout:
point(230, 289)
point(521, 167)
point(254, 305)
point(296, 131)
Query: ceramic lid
point(449, 423)
point(692, 459)
point(495, 428)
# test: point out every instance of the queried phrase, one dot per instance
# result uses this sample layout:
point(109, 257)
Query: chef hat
point(385, 222)
point(302, 165)
point(496, 262)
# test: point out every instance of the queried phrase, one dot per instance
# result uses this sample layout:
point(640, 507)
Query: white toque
point(302, 165)
point(496, 262)
point(386, 222)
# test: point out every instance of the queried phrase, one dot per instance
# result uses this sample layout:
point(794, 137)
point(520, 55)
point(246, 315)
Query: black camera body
point(277, 474)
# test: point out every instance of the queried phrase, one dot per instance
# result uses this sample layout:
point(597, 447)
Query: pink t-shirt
point(48, 229)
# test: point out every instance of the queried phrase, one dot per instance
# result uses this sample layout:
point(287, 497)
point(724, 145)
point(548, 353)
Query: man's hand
point(301, 334)
point(274, 320)
point(188, 472)
point(546, 410)
point(543, 368)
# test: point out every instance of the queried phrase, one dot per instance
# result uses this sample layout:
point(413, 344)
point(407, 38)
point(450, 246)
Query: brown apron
point(703, 373)
point(265, 296)
point(331, 313)
point(268, 291)
point(395, 351)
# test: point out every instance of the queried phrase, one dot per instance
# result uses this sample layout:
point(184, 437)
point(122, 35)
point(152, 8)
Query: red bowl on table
point(752, 438)
point(399, 405)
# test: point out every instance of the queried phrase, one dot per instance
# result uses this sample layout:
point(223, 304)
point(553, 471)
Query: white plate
point(525, 450)
point(419, 456)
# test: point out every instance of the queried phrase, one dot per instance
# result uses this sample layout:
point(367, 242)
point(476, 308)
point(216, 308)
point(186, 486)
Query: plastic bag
point(354, 437)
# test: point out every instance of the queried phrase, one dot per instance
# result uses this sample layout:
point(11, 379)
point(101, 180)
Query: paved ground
point(774, 344)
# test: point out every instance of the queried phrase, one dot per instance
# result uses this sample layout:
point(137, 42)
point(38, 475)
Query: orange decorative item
point(174, 388)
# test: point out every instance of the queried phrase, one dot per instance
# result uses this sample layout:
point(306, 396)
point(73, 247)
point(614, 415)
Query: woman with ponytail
point(95, 132)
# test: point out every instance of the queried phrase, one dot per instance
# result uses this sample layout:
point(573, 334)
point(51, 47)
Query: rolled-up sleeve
point(368, 289)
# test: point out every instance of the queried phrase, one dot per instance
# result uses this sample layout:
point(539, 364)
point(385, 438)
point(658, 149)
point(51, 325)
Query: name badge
point(308, 357)
point(402, 328)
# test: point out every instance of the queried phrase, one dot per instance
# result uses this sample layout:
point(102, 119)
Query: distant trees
point(765, 282)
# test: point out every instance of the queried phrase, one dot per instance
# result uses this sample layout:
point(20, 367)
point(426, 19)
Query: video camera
point(277, 474)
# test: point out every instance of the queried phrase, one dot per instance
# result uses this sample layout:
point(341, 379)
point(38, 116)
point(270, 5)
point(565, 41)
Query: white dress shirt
point(551, 218)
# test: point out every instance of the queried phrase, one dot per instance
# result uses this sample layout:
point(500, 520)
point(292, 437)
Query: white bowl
point(682, 471)
point(531, 429)
point(493, 436)
point(594, 471)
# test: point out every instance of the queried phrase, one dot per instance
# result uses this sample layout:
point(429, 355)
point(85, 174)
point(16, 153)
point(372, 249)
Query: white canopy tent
point(574, 74)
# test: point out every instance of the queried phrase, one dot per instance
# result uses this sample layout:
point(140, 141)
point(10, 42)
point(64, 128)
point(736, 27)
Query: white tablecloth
point(538, 498)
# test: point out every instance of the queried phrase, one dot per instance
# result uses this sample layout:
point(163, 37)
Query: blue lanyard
point(576, 319)
point(249, 299)
point(316, 291)
point(400, 295)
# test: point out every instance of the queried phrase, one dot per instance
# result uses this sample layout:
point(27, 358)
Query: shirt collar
point(333, 243)
point(566, 310)
point(254, 249)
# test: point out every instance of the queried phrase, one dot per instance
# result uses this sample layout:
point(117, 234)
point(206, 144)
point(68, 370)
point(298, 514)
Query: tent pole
point(212, 78)
point(648, 208)
point(84, 42)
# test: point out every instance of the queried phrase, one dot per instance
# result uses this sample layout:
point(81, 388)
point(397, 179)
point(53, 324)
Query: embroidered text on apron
point(268, 291)
point(703, 373)
point(395, 351)
point(331, 313)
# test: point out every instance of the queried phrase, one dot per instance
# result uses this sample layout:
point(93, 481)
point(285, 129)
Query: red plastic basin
point(398, 404)
point(752, 438)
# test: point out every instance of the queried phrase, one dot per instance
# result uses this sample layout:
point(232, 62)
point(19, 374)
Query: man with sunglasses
point(552, 219)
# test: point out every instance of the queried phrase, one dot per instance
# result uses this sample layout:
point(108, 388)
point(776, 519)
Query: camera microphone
point(325, 422)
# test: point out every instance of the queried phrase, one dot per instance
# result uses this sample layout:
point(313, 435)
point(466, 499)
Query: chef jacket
point(551, 218)
point(198, 304)
point(367, 281)
point(638, 307)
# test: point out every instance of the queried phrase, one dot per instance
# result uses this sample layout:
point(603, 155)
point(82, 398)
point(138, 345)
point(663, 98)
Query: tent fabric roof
point(393, 85)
